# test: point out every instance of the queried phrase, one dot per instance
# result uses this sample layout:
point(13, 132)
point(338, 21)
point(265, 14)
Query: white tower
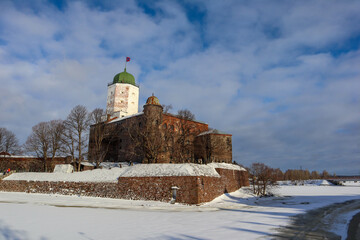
point(123, 96)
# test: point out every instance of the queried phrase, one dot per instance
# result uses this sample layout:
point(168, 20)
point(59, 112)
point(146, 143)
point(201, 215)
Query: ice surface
point(237, 215)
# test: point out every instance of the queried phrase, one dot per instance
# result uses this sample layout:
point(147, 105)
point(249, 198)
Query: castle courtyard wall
point(192, 189)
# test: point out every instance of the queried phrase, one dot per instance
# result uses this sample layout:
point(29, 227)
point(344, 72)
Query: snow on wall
point(97, 175)
point(226, 166)
point(139, 170)
point(63, 168)
point(161, 170)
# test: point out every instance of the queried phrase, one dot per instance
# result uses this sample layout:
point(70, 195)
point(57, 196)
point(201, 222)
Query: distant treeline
point(261, 176)
point(275, 174)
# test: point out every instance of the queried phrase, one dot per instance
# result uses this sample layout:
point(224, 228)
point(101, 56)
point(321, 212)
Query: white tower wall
point(122, 100)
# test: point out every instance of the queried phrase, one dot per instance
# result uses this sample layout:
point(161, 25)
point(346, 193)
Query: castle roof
point(152, 100)
point(124, 77)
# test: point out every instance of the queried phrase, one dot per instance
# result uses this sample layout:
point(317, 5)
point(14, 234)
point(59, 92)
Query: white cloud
point(282, 78)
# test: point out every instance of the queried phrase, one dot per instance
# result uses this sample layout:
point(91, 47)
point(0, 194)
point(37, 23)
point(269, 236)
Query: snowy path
point(231, 216)
point(318, 223)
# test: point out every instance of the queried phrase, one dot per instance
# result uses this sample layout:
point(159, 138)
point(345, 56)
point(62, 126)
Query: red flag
point(127, 59)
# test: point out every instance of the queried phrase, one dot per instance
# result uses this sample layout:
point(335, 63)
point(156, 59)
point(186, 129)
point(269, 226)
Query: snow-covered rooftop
point(213, 131)
point(139, 170)
point(126, 117)
point(97, 175)
point(226, 166)
point(161, 170)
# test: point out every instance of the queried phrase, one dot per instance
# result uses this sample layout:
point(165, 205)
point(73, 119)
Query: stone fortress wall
point(192, 189)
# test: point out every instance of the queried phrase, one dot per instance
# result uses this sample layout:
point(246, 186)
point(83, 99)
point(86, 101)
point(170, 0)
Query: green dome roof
point(124, 77)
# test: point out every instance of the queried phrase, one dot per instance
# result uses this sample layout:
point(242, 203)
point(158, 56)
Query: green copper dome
point(124, 77)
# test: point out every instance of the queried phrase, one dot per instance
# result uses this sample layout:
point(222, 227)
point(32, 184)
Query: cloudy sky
point(282, 76)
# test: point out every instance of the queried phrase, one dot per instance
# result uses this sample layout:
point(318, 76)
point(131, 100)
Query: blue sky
point(282, 76)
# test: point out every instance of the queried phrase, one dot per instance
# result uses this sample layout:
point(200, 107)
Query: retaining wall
point(193, 189)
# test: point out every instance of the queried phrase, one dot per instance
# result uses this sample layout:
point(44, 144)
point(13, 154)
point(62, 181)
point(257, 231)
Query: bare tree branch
point(8, 142)
point(77, 123)
point(39, 141)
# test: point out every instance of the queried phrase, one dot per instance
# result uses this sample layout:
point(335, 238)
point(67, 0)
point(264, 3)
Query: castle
point(152, 136)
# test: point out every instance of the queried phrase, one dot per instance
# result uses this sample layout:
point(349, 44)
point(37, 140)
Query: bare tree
point(147, 138)
point(261, 177)
point(8, 142)
point(166, 108)
point(95, 116)
point(186, 114)
point(39, 142)
point(101, 135)
point(56, 131)
point(184, 132)
point(314, 175)
point(325, 174)
point(68, 145)
point(77, 123)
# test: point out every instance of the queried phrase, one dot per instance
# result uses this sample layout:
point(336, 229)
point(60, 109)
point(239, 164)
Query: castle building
point(152, 136)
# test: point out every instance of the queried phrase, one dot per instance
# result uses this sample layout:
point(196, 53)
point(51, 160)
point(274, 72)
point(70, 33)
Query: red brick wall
point(230, 181)
point(193, 189)
point(159, 188)
point(109, 190)
point(30, 164)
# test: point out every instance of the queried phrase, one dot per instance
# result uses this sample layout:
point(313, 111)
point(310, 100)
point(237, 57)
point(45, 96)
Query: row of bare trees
point(62, 137)
point(300, 174)
point(262, 176)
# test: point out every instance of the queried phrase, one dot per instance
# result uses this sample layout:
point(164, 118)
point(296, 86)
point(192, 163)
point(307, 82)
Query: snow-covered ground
point(238, 215)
